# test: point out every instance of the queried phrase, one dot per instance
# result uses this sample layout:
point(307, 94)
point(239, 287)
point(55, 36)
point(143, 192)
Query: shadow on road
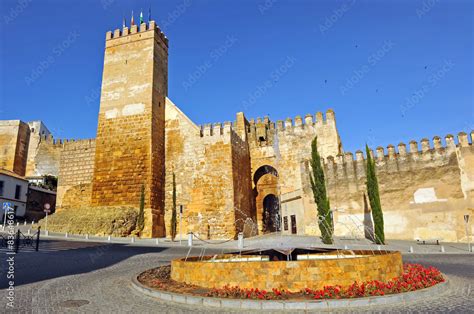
point(65, 258)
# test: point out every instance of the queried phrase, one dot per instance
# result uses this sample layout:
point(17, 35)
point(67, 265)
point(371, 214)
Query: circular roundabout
point(296, 279)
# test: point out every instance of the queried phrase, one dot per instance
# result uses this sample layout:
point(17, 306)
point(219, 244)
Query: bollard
point(410, 250)
point(346, 247)
point(442, 249)
point(109, 238)
point(17, 224)
point(87, 236)
point(32, 222)
point(132, 240)
point(241, 240)
point(190, 239)
point(157, 241)
point(46, 233)
point(24, 224)
point(29, 231)
point(379, 247)
point(66, 235)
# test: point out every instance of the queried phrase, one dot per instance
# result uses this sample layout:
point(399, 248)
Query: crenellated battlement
point(60, 143)
point(298, 122)
point(394, 159)
point(215, 129)
point(136, 29)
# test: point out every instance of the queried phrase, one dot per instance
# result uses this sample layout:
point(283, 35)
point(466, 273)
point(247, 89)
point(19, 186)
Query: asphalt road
point(86, 277)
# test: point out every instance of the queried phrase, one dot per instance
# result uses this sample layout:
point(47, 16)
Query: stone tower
point(130, 132)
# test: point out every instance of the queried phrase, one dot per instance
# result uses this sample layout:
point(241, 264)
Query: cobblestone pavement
point(96, 278)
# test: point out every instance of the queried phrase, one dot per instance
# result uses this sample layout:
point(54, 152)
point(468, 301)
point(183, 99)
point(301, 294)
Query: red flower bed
point(414, 277)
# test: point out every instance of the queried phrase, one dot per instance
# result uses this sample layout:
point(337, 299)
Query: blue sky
point(392, 70)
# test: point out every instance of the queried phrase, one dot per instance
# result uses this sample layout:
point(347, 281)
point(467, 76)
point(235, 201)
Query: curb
point(152, 242)
point(290, 305)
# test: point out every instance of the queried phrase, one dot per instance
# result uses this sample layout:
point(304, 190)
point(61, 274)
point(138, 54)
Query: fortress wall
point(242, 182)
point(287, 144)
point(75, 174)
point(14, 140)
point(201, 158)
point(424, 192)
point(43, 155)
point(290, 142)
point(130, 133)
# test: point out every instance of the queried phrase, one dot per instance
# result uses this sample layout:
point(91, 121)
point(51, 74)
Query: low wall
point(289, 275)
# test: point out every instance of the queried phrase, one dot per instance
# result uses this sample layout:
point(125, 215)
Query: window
point(17, 192)
point(285, 223)
point(1, 188)
point(293, 224)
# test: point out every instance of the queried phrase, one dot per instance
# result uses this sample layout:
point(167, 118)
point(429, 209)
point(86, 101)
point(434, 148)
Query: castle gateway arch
point(267, 203)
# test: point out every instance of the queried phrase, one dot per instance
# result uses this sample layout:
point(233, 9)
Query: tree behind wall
point(374, 198)
point(173, 212)
point(318, 185)
point(141, 213)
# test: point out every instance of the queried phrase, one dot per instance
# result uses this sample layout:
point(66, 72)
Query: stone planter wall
point(289, 275)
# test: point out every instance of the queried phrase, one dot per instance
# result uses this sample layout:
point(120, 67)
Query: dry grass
point(116, 221)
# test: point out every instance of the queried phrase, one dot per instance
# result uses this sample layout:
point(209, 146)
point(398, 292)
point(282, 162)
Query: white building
point(14, 190)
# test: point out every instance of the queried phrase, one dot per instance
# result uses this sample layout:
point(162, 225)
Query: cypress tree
point(374, 198)
point(318, 185)
point(141, 213)
point(173, 211)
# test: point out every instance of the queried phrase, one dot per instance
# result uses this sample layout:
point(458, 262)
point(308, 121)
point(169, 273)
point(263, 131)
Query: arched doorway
point(267, 203)
point(271, 214)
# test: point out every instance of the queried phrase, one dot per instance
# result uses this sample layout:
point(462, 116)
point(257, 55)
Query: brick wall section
point(37, 198)
point(75, 174)
point(245, 216)
point(130, 134)
point(203, 162)
point(292, 275)
point(14, 140)
point(424, 193)
point(21, 154)
point(43, 156)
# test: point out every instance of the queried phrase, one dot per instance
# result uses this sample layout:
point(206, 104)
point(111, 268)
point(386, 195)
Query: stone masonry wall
point(130, 134)
point(75, 174)
point(245, 215)
point(14, 140)
point(424, 194)
point(43, 156)
point(284, 145)
point(288, 275)
point(202, 162)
